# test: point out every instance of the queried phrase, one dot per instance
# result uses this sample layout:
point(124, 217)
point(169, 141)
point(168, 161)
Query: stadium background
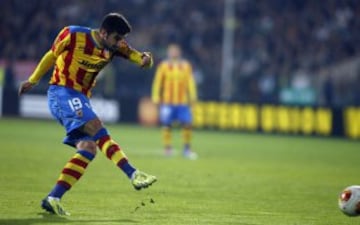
point(293, 66)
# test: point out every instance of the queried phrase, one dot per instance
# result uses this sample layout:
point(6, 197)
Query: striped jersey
point(174, 83)
point(79, 58)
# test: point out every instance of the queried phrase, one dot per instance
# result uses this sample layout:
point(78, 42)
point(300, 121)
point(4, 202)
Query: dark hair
point(115, 22)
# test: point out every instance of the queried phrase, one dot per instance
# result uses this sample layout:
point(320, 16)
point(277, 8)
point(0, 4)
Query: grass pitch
point(245, 179)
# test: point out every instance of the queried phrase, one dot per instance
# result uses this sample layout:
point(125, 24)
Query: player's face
point(174, 52)
point(112, 41)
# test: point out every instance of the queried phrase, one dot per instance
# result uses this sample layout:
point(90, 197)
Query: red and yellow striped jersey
point(79, 58)
point(174, 83)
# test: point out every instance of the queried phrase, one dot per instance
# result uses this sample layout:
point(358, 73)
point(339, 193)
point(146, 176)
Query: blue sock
point(187, 147)
point(58, 191)
point(125, 166)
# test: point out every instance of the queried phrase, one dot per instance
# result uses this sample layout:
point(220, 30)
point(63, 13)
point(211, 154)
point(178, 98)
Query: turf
point(244, 179)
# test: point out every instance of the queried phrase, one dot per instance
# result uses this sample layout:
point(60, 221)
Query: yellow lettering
point(284, 119)
point(352, 122)
point(308, 117)
point(251, 117)
point(235, 116)
point(267, 118)
point(223, 116)
point(211, 114)
point(323, 121)
point(198, 115)
point(294, 121)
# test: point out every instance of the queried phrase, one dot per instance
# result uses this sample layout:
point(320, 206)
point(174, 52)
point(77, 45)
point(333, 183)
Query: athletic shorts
point(72, 110)
point(175, 113)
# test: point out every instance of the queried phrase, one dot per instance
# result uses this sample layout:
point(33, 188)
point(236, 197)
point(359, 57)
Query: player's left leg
point(187, 136)
point(185, 117)
point(112, 150)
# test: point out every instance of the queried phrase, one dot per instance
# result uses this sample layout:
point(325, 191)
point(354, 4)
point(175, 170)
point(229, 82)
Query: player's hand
point(147, 60)
point(25, 87)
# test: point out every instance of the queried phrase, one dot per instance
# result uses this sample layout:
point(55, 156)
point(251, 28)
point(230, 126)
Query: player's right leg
point(166, 114)
point(70, 174)
point(69, 108)
point(166, 137)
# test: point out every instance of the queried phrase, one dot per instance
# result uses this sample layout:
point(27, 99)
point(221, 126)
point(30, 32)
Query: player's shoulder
point(78, 29)
point(169, 62)
point(185, 63)
point(163, 63)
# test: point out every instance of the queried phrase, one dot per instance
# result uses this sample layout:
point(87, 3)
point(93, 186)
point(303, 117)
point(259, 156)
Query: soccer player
point(77, 55)
point(174, 90)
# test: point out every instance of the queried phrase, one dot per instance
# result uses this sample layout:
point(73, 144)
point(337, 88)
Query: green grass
point(245, 179)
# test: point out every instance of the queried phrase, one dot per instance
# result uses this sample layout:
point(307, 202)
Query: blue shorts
point(175, 113)
point(72, 109)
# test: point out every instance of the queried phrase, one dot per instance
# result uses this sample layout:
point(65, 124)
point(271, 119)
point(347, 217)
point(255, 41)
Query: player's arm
point(47, 61)
point(157, 84)
point(143, 59)
point(192, 86)
point(42, 68)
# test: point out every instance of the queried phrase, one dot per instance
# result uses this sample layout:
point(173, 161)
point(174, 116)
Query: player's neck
point(174, 60)
point(96, 37)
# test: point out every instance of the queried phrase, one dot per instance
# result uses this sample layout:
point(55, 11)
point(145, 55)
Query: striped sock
point(71, 173)
point(113, 152)
point(166, 136)
point(186, 134)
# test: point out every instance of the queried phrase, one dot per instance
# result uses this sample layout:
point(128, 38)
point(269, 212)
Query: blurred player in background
point(174, 90)
point(77, 55)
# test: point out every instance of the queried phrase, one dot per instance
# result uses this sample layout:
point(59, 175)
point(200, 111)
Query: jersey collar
point(94, 39)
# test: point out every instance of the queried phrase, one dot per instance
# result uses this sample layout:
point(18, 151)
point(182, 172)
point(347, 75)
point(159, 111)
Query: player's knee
point(89, 146)
point(93, 126)
point(102, 133)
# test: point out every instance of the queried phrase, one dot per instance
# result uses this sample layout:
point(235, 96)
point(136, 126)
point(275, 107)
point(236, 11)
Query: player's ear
point(103, 33)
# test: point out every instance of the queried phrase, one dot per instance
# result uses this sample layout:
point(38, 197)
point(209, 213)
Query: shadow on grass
point(48, 219)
